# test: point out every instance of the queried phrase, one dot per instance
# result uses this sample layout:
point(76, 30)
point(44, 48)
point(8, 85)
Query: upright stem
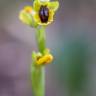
point(38, 72)
point(40, 37)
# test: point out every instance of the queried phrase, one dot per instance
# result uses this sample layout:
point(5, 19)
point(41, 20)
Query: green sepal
point(27, 18)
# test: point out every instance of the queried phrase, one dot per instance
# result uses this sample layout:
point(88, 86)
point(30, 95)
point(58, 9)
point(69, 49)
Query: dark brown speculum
point(44, 14)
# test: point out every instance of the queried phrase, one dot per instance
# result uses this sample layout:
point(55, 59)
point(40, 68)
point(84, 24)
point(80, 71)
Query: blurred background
point(72, 39)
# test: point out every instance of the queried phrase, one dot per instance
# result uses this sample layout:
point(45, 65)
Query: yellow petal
point(49, 58)
point(44, 24)
point(36, 5)
point(53, 5)
point(45, 59)
point(36, 18)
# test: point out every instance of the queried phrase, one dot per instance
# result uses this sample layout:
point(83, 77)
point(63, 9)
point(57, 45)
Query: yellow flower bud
point(44, 59)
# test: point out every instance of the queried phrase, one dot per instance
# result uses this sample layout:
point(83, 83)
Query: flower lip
point(44, 13)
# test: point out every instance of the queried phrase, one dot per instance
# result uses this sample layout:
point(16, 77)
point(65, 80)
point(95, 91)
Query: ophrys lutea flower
point(42, 11)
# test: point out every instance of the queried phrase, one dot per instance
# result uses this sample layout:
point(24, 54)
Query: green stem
point(38, 72)
point(40, 37)
point(38, 81)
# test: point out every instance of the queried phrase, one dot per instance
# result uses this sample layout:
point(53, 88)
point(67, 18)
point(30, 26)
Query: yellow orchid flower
point(42, 11)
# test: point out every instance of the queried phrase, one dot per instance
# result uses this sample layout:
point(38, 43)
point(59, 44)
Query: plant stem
point(38, 81)
point(38, 72)
point(40, 37)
